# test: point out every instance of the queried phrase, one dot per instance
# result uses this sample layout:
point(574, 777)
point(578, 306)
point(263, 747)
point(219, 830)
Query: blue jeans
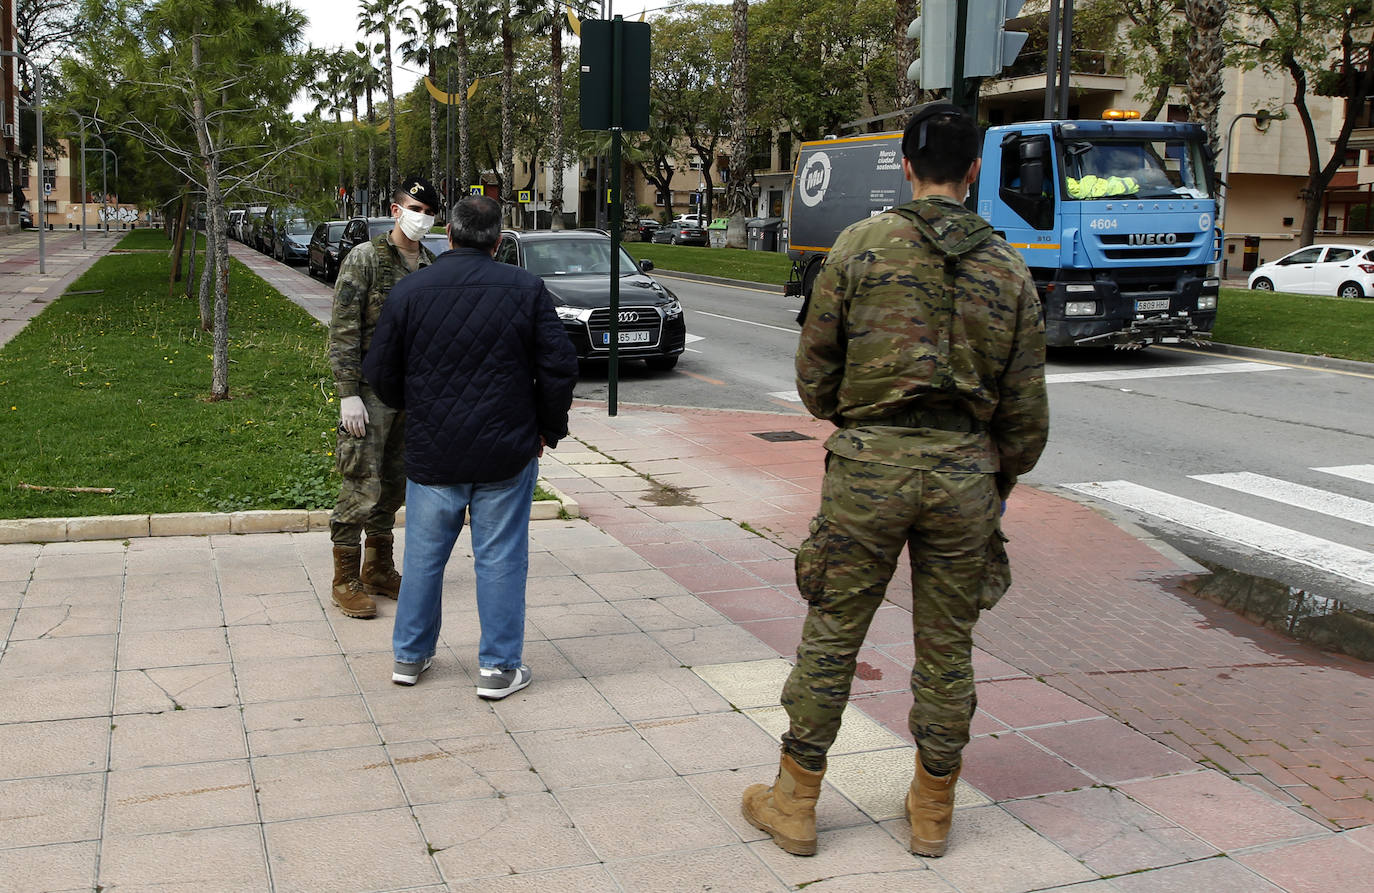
point(500, 513)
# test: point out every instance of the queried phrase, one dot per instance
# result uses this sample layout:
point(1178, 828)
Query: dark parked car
point(362, 229)
point(647, 228)
point(679, 233)
point(291, 240)
point(322, 254)
point(575, 265)
point(437, 243)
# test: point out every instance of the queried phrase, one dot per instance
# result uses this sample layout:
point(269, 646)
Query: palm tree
point(1206, 52)
point(736, 233)
point(553, 20)
point(329, 92)
point(381, 17)
point(422, 24)
point(369, 82)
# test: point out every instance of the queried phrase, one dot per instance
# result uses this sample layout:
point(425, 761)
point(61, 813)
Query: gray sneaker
point(494, 684)
point(407, 674)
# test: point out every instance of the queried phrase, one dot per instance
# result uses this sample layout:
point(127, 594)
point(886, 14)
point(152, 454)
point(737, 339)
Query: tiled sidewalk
point(24, 292)
point(190, 713)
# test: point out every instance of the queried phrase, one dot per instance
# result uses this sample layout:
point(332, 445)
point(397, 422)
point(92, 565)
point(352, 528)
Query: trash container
point(763, 233)
point(715, 232)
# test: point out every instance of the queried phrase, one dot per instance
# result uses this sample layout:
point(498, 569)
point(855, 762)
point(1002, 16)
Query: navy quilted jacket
point(474, 353)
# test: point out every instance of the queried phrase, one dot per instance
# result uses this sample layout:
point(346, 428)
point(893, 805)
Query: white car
point(692, 219)
point(1343, 270)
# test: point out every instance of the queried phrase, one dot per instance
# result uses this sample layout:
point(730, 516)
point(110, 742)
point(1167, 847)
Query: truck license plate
point(1142, 306)
point(641, 337)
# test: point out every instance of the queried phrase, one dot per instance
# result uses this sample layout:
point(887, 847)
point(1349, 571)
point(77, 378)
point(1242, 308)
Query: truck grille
point(1119, 247)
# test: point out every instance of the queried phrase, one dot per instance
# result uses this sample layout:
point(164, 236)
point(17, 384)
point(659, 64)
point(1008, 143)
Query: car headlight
point(1207, 302)
point(672, 309)
point(573, 314)
point(1080, 308)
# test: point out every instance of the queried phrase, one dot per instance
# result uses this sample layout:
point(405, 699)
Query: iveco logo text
point(1152, 239)
point(629, 316)
point(815, 177)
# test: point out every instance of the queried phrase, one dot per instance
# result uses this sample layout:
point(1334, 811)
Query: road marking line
point(789, 396)
point(747, 322)
point(692, 339)
point(1157, 372)
point(702, 377)
point(1362, 473)
point(1344, 561)
point(1305, 367)
point(1347, 508)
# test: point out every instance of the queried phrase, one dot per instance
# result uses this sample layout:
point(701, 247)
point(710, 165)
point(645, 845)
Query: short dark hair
point(940, 142)
point(476, 223)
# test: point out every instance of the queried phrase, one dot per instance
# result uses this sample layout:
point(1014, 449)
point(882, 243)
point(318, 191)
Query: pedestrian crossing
point(1158, 372)
point(1285, 542)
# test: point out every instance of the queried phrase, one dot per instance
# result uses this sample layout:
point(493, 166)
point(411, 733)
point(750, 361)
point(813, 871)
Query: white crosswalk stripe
point(1347, 508)
point(1364, 473)
point(1159, 372)
point(1334, 558)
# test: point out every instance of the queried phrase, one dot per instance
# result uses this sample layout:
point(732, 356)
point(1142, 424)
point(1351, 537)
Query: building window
point(694, 163)
point(49, 179)
point(785, 150)
point(24, 176)
point(1352, 158)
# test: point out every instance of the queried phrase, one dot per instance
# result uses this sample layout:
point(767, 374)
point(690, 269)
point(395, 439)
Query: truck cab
point(1116, 220)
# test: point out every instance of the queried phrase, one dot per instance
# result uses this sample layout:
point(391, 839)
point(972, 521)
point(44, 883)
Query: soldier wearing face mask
point(370, 447)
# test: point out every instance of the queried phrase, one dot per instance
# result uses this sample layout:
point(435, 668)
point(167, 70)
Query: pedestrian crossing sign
point(476, 190)
point(526, 196)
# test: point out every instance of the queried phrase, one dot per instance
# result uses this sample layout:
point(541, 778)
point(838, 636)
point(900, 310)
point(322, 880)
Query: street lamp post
point(1262, 119)
point(38, 114)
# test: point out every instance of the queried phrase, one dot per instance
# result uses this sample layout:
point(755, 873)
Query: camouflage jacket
point(893, 329)
point(364, 282)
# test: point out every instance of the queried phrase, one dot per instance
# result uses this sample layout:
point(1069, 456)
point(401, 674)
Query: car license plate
point(1142, 306)
point(627, 337)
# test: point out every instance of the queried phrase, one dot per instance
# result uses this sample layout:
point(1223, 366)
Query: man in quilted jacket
point(475, 354)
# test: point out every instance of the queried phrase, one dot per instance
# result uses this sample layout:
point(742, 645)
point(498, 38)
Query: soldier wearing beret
point(370, 445)
point(924, 345)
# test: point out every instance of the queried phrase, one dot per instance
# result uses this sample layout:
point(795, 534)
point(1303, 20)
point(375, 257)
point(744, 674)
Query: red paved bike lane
point(1095, 613)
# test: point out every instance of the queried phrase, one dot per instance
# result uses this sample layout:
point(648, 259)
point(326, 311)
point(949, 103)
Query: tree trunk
point(436, 176)
point(738, 191)
point(371, 155)
point(356, 169)
point(219, 378)
point(207, 276)
point(393, 176)
point(1157, 103)
point(907, 92)
point(556, 159)
point(460, 38)
point(1206, 52)
point(179, 242)
point(341, 200)
point(507, 109)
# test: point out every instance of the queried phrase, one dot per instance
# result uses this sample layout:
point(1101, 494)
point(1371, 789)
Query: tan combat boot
point(930, 809)
point(787, 810)
point(379, 575)
point(347, 590)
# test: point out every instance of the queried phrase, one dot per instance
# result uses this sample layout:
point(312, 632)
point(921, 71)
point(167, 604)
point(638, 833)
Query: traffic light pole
point(617, 75)
point(959, 92)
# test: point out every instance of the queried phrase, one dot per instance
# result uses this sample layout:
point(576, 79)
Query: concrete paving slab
point(724, 868)
point(632, 819)
point(480, 767)
point(706, 742)
point(305, 855)
point(877, 781)
point(61, 868)
point(164, 799)
point(229, 859)
point(492, 837)
point(58, 747)
point(162, 689)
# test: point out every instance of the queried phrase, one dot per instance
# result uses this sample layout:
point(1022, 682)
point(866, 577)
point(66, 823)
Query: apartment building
point(10, 167)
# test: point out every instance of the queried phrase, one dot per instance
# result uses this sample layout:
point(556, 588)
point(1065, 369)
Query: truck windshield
point(1099, 169)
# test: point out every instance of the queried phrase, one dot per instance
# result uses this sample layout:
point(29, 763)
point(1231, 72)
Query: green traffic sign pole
point(959, 84)
point(617, 76)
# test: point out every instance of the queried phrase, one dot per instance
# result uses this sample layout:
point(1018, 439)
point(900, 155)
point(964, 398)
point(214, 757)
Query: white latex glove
point(353, 415)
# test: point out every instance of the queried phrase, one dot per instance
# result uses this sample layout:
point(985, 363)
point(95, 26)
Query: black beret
point(422, 191)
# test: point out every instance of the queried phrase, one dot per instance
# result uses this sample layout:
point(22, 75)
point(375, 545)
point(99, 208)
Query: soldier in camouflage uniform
point(370, 447)
point(924, 345)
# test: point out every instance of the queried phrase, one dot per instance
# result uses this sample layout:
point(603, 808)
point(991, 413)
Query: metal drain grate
point(782, 436)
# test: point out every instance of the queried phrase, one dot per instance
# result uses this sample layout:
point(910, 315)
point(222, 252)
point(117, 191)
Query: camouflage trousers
point(869, 512)
point(374, 474)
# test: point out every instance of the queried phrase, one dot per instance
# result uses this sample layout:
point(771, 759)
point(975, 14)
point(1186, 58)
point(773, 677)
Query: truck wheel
point(1262, 284)
point(1351, 290)
point(809, 277)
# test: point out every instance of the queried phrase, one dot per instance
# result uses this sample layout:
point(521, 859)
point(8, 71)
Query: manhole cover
point(781, 436)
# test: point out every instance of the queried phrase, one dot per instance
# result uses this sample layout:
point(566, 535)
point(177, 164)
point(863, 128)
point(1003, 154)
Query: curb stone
point(118, 527)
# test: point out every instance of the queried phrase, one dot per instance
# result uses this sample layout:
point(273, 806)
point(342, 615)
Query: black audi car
point(575, 265)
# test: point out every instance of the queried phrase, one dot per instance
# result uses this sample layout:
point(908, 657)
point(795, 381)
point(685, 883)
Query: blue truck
point(1116, 220)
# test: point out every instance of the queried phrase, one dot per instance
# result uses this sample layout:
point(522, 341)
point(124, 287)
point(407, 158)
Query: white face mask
point(415, 223)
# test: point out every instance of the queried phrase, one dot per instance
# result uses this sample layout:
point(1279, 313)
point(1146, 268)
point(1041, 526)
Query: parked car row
point(1346, 271)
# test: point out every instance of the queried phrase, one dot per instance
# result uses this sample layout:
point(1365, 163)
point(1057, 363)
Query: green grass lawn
point(110, 390)
point(154, 239)
point(1308, 324)
point(767, 267)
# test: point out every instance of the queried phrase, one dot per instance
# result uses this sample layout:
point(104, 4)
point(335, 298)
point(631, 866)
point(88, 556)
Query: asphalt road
point(1259, 466)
